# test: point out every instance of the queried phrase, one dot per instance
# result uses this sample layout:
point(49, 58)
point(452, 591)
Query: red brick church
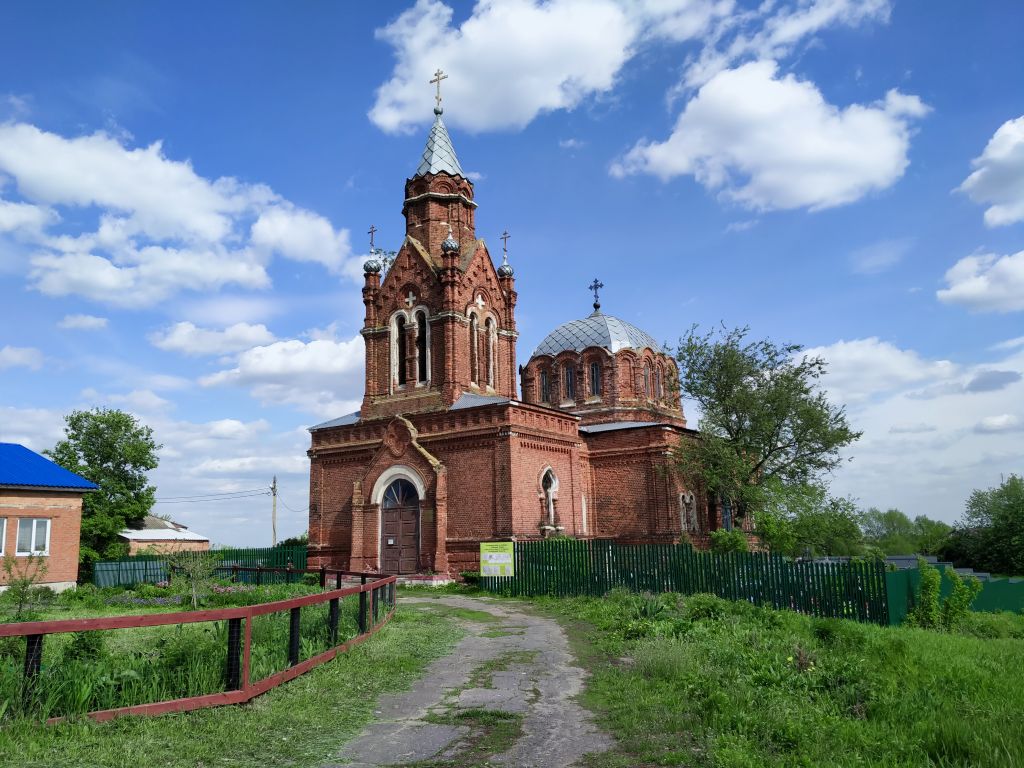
point(444, 453)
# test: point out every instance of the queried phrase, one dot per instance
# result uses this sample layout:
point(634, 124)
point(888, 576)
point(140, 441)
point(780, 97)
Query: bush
point(702, 606)
point(85, 646)
point(956, 607)
point(926, 613)
point(728, 541)
point(472, 578)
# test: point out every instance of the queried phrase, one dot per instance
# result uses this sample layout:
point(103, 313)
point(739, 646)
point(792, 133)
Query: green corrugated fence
point(564, 567)
point(149, 569)
point(905, 586)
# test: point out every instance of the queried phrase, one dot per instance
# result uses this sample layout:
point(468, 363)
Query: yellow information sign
point(497, 558)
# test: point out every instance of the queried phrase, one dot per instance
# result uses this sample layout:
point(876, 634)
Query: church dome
point(596, 330)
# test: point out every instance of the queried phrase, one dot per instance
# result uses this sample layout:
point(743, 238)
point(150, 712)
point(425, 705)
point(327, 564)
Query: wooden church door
point(400, 528)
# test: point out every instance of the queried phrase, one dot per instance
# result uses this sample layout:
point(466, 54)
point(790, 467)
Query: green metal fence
point(139, 569)
point(564, 567)
point(905, 586)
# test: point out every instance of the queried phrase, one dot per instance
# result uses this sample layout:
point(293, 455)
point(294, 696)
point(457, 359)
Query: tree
point(991, 534)
point(763, 417)
point(112, 449)
point(931, 534)
point(804, 520)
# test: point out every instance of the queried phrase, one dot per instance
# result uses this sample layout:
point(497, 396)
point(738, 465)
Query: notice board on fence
point(497, 558)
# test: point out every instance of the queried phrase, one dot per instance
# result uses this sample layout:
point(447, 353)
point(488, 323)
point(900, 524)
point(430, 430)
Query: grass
point(700, 681)
point(96, 670)
point(492, 732)
point(302, 723)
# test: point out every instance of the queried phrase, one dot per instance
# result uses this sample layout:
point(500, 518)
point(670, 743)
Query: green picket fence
point(150, 569)
point(569, 567)
point(904, 587)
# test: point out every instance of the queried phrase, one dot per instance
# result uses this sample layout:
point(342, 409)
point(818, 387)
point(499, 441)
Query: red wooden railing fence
point(381, 592)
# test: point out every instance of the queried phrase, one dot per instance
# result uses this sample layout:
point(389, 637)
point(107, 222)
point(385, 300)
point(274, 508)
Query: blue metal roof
point(342, 421)
point(597, 330)
point(469, 400)
point(27, 469)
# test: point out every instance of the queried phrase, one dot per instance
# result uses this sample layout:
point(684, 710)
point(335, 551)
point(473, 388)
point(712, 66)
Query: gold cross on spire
point(438, 77)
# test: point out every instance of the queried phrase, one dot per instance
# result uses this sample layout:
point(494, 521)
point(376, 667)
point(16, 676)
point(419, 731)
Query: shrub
point(85, 646)
point(956, 607)
point(472, 578)
point(22, 595)
point(702, 606)
point(728, 541)
point(926, 613)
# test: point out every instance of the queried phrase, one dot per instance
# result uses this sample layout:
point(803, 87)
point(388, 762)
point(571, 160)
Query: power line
point(221, 498)
point(296, 511)
point(211, 495)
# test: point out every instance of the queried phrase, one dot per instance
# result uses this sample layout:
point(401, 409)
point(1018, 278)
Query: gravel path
point(518, 663)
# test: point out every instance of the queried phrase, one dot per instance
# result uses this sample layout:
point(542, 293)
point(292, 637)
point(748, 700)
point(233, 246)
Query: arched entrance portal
point(400, 528)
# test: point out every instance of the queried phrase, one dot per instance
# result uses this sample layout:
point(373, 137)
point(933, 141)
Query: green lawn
point(704, 682)
point(301, 723)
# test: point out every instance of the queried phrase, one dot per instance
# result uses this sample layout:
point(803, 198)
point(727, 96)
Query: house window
point(400, 349)
point(421, 346)
point(545, 387)
point(33, 536)
point(3, 534)
point(570, 382)
point(595, 379)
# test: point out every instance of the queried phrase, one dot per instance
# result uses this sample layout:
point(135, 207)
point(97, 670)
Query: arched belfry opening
point(400, 528)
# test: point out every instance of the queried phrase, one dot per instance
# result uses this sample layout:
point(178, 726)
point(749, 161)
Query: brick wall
point(64, 510)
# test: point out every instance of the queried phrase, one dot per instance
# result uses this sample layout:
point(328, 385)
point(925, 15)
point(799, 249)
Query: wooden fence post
point(293, 637)
point(33, 663)
point(362, 608)
point(337, 579)
point(323, 576)
point(332, 621)
point(234, 675)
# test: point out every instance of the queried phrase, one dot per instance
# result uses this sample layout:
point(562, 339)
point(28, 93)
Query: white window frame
point(32, 543)
point(3, 536)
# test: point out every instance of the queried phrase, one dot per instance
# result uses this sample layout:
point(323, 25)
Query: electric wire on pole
point(273, 513)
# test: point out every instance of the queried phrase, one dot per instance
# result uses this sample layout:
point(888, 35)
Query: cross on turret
point(371, 232)
point(595, 287)
point(438, 77)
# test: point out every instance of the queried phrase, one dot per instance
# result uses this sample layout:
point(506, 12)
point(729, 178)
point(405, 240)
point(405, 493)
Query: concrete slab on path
point(530, 672)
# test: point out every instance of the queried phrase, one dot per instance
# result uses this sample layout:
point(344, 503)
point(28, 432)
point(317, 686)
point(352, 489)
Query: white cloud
point(82, 322)
point(162, 228)
point(513, 60)
point(918, 428)
point(772, 30)
point(191, 340)
point(986, 283)
point(301, 235)
point(571, 143)
point(1004, 422)
point(998, 178)
point(771, 142)
point(878, 257)
point(25, 217)
point(1009, 344)
point(141, 400)
point(20, 357)
point(864, 368)
point(322, 376)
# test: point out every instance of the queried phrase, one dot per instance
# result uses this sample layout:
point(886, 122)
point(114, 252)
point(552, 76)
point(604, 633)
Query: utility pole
point(273, 513)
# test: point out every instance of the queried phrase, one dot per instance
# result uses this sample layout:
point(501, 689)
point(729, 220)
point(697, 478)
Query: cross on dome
point(371, 232)
point(438, 77)
point(595, 287)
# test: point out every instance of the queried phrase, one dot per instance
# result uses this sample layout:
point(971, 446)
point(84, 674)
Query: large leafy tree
point(112, 449)
point(803, 520)
point(764, 419)
point(895, 533)
point(991, 534)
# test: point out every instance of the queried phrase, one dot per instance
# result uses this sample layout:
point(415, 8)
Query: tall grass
point(705, 682)
point(107, 669)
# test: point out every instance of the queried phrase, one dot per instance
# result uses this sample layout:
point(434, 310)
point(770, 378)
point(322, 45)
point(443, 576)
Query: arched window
point(400, 349)
point(549, 483)
point(595, 379)
point(401, 493)
point(489, 329)
point(474, 350)
point(569, 373)
point(658, 392)
point(422, 370)
point(545, 387)
point(647, 380)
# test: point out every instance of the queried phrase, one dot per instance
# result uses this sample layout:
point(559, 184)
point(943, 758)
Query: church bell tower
point(440, 320)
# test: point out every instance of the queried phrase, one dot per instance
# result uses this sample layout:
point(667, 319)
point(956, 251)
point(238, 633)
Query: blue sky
point(185, 188)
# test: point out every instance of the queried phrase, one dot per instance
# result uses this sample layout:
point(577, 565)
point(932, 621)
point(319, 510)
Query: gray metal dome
point(597, 330)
